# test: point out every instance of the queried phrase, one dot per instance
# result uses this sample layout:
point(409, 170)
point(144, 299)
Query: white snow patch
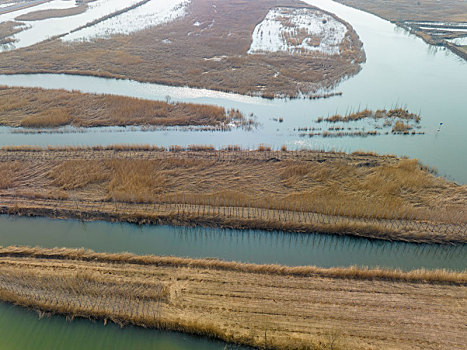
point(444, 24)
point(215, 58)
point(41, 30)
point(459, 41)
point(196, 24)
point(153, 13)
point(298, 30)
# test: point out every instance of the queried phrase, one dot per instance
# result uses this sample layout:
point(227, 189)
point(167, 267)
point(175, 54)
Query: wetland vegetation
point(436, 22)
point(224, 299)
point(307, 191)
point(213, 54)
point(268, 48)
point(41, 108)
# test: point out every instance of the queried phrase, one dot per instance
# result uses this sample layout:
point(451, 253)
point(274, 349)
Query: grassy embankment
point(40, 108)
point(266, 306)
point(212, 55)
point(305, 191)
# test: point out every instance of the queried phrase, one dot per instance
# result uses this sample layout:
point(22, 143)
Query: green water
point(21, 329)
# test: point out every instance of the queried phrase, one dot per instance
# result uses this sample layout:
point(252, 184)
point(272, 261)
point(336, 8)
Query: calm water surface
point(257, 246)
point(21, 329)
point(400, 70)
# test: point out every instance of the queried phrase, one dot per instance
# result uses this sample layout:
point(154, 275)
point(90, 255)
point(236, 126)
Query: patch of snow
point(444, 24)
point(167, 41)
point(459, 41)
point(7, 4)
point(153, 13)
point(298, 30)
point(196, 24)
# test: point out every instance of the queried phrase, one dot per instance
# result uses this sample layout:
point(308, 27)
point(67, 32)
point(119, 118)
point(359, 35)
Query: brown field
point(35, 108)
point(266, 306)
point(54, 13)
point(212, 55)
point(402, 11)
point(8, 29)
point(306, 191)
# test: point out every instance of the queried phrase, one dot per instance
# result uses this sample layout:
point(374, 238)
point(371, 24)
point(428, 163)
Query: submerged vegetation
point(40, 108)
point(306, 191)
point(401, 120)
point(394, 114)
point(279, 312)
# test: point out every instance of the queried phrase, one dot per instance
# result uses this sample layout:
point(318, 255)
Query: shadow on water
point(254, 246)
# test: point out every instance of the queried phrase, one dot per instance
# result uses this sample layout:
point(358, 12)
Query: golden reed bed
point(303, 191)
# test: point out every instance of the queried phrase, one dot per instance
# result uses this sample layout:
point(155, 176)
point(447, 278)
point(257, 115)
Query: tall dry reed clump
point(265, 306)
point(301, 191)
point(402, 189)
point(34, 108)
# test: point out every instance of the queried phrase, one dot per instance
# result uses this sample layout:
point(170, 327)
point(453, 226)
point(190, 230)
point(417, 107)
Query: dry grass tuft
point(358, 194)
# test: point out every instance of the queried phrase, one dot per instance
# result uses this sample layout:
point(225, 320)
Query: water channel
point(401, 70)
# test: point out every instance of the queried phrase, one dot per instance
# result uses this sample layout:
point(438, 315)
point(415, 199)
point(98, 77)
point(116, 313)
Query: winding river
point(401, 70)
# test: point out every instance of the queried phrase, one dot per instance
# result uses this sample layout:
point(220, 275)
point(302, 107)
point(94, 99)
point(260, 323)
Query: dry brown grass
point(368, 195)
point(396, 113)
point(401, 127)
point(32, 107)
point(7, 29)
point(266, 306)
point(179, 53)
point(53, 13)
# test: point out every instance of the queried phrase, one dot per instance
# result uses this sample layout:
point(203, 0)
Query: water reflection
point(253, 246)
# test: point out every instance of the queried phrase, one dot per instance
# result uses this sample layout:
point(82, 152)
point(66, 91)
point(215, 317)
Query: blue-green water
point(262, 247)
